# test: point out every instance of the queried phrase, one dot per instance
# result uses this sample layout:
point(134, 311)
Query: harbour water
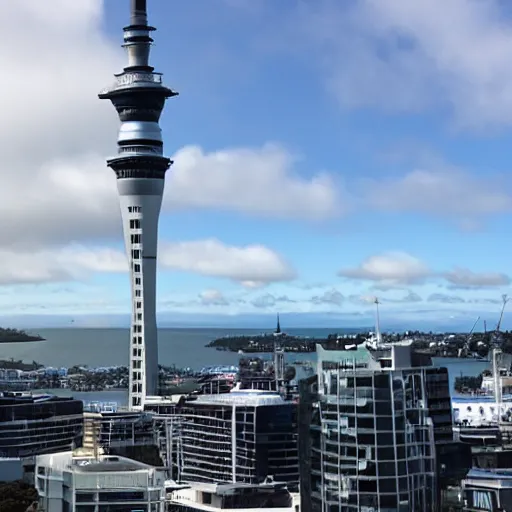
point(182, 347)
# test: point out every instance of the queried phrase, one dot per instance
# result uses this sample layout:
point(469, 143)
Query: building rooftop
point(69, 461)
point(252, 397)
point(107, 464)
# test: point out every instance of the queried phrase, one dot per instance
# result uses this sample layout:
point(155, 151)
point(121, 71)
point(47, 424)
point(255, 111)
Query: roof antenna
point(377, 321)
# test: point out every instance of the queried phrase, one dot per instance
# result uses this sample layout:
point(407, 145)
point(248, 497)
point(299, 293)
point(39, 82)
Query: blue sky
point(325, 153)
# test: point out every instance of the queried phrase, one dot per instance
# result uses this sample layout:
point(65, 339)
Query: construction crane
point(496, 338)
point(470, 335)
point(505, 299)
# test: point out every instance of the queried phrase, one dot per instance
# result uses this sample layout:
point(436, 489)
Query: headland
point(17, 336)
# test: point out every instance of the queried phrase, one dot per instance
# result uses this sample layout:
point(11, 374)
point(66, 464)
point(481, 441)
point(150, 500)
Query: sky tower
point(139, 97)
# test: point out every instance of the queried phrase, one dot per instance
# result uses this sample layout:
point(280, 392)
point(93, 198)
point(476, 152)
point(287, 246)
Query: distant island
point(17, 336)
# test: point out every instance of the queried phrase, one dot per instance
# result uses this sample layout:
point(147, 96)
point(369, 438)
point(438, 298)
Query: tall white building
point(139, 96)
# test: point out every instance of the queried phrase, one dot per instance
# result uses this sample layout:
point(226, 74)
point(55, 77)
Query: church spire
point(278, 328)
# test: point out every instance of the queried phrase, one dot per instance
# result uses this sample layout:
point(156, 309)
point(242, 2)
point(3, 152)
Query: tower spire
point(278, 328)
point(136, 37)
point(140, 166)
point(138, 12)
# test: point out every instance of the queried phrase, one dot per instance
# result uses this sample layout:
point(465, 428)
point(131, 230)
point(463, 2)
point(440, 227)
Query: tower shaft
point(139, 97)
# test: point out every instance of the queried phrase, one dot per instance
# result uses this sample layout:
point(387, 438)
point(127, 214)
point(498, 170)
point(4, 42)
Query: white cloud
point(465, 278)
point(440, 192)
point(258, 181)
point(389, 269)
point(407, 56)
point(271, 301)
point(253, 263)
point(69, 264)
point(213, 297)
point(332, 297)
point(445, 298)
point(56, 187)
point(53, 181)
point(398, 269)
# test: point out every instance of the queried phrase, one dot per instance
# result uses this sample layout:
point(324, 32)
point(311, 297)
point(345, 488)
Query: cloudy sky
point(325, 153)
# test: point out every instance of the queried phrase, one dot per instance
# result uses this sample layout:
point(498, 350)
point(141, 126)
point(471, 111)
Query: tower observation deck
point(139, 95)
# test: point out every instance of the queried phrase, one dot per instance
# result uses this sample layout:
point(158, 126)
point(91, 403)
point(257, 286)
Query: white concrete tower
point(139, 97)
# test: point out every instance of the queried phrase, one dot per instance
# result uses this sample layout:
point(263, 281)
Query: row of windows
point(134, 223)
point(136, 238)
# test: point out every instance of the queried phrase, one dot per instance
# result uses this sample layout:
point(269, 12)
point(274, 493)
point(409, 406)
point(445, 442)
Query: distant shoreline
point(21, 341)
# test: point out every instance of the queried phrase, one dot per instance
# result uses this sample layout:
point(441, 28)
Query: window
point(139, 316)
point(140, 340)
point(135, 224)
point(121, 496)
point(135, 239)
point(84, 496)
point(138, 305)
point(136, 254)
point(136, 267)
point(137, 293)
point(137, 280)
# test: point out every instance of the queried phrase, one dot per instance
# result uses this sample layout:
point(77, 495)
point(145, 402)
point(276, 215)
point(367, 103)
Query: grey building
point(368, 432)
point(243, 436)
point(36, 424)
point(139, 96)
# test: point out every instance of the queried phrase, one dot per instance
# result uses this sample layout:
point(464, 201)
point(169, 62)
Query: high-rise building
point(368, 431)
point(35, 424)
point(245, 436)
point(139, 96)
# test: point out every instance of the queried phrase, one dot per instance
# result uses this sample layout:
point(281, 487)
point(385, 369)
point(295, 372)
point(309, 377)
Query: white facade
point(67, 483)
point(140, 212)
point(203, 497)
point(477, 412)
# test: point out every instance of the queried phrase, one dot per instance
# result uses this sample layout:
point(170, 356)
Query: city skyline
point(307, 179)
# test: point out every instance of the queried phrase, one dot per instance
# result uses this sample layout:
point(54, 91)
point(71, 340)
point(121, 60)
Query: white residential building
point(69, 483)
